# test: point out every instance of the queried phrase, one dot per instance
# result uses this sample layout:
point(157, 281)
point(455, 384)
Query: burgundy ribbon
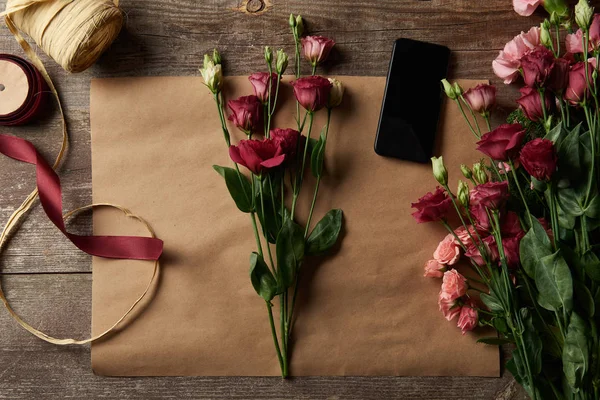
point(48, 184)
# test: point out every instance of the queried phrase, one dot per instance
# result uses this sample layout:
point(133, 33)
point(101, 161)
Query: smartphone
point(412, 100)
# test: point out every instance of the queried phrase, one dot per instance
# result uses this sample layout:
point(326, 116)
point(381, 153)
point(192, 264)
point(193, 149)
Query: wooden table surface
point(49, 281)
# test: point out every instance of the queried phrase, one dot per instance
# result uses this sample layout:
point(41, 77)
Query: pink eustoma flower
point(434, 269)
point(481, 98)
point(245, 113)
point(526, 7)
point(503, 143)
point(257, 155)
point(454, 286)
point(468, 317)
point(312, 92)
point(260, 83)
point(316, 49)
point(448, 251)
point(506, 65)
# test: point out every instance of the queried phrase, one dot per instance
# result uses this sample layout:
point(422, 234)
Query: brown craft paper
point(365, 310)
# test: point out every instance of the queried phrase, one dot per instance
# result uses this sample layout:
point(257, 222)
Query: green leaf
point(500, 325)
point(491, 302)
point(557, 134)
point(533, 342)
point(239, 187)
point(591, 265)
point(290, 252)
point(570, 202)
point(494, 341)
point(270, 220)
point(534, 245)
point(554, 282)
point(583, 297)
point(575, 353)
point(325, 234)
point(318, 156)
point(261, 277)
point(593, 208)
point(568, 155)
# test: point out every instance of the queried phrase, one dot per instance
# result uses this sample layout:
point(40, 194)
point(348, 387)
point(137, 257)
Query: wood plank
point(60, 304)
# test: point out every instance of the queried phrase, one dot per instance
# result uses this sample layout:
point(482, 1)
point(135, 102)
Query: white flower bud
point(282, 61)
point(212, 74)
point(337, 93)
point(449, 89)
point(439, 170)
point(584, 14)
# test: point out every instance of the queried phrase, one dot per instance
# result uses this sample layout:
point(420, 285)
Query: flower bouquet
point(529, 211)
point(277, 160)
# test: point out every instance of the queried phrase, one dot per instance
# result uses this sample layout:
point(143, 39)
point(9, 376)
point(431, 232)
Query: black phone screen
point(412, 100)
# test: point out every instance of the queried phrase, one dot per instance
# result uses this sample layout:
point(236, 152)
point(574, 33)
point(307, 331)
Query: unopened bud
point(449, 89)
point(439, 170)
point(555, 18)
point(299, 25)
point(268, 55)
point(584, 14)
point(282, 61)
point(336, 94)
point(292, 21)
point(463, 193)
point(479, 173)
point(212, 74)
point(466, 171)
point(545, 36)
point(216, 56)
point(458, 89)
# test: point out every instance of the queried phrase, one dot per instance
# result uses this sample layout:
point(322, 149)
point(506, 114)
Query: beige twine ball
point(73, 32)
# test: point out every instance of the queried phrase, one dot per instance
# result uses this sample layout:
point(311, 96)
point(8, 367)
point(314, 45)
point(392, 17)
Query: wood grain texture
point(49, 281)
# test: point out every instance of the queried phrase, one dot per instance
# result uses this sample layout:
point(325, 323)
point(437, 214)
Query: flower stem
point(516, 179)
point(472, 114)
point(282, 362)
point(264, 223)
point(301, 177)
point(258, 245)
point(466, 119)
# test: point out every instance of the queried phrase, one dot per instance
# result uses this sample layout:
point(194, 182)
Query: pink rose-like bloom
point(559, 77)
point(526, 7)
point(511, 251)
point(260, 83)
point(502, 143)
point(257, 155)
point(479, 214)
point(531, 103)
point(312, 92)
point(454, 286)
point(492, 195)
point(574, 42)
point(490, 248)
point(539, 159)
point(511, 225)
point(450, 309)
point(288, 140)
point(448, 251)
point(245, 113)
point(432, 207)
point(577, 88)
point(468, 317)
point(481, 98)
point(316, 49)
point(434, 269)
point(465, 235)
point(537, 66)
point(506, 65)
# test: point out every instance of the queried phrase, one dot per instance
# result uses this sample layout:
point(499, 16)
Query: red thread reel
point(23, 91)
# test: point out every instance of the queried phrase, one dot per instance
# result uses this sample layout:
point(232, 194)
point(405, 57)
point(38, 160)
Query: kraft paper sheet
point(364, 310)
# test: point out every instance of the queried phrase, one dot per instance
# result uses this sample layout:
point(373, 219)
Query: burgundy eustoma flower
point(531, 103)
point(432, 207)
point(245, 113)
point(511, 225)
point(288, 140)
point(559, 77)
point(260, 83)
point(491, 195)
point(537, 66)
point(511, 251)
point(577, 88)
point(312, 92)
point(539, 159)
point(257, 155)
point(481, 98)
point(502, 143)
point(316, 49)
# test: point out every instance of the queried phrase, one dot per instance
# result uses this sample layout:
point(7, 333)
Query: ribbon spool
point(23, 91)
point(73, 32)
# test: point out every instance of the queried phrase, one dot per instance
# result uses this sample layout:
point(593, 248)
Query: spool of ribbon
point(23, 91)
point(73, 33)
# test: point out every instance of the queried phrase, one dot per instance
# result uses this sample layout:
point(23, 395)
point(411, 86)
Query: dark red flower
point(260, 83)
point(288, 140)
point(502, 143)
point(491, 250)
point(316, 49)
point(491, 195)
point(531, 103)
point(312, 92)
point(559, 77)
point(539, 158)
point(257, 155)
point(511, 251)
point(432, 207)
point(245, 113)
point(480, 215)
point(537, 66)
point(481, 98)
point(577, 89)
point(511, 225)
